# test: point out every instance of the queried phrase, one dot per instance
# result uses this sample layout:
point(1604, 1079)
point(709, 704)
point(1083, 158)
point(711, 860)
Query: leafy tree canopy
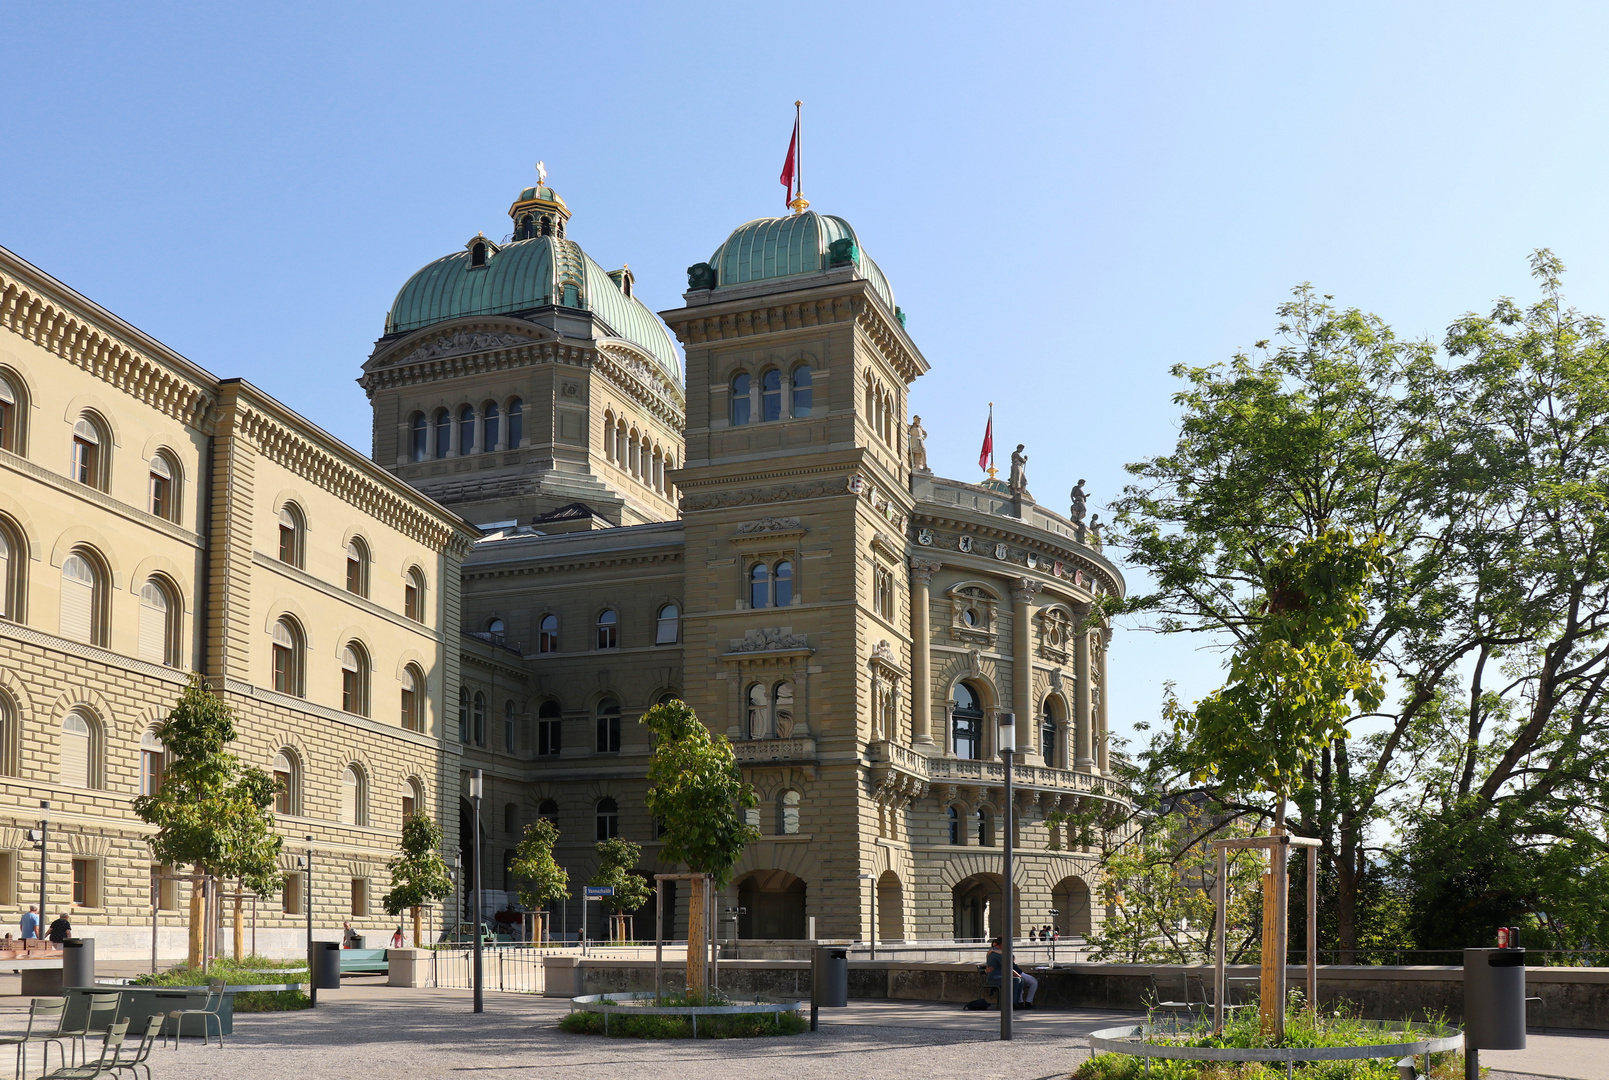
point(697, 793)
point(617, 861)
point(418, 873)
point(542, 880)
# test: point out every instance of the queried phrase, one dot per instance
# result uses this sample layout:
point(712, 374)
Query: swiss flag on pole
point(986, 455)
point(790, 163)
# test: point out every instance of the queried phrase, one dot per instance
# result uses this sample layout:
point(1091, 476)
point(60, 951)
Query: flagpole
point(798, 159)
point(992, 470)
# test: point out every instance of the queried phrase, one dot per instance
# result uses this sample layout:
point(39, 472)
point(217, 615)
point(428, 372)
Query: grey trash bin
point(78, 962)
point(1494, 999)
point(829, 979)
point(324, 965)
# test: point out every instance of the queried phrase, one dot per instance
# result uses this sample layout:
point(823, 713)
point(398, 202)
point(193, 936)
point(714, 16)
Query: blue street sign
point(599, 890)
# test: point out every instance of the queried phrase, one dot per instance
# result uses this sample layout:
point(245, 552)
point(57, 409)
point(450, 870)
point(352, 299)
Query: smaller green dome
point(793, 246)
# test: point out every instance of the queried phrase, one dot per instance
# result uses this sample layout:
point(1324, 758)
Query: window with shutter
point(5, 576)
point(349, 796)
point(154, 624)
point(153, 756)
point(8, 416)
point(76, 739)
point(77, 599)
point(285, 777)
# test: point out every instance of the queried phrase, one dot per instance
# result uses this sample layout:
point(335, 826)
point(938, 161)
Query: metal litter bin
point(1494, 1003)
point(78, 962)
point(323, 967)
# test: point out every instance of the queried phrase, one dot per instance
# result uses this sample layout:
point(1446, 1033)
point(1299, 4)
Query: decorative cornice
point(816, 489)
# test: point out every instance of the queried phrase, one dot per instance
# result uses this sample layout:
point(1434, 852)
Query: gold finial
point(799, 203)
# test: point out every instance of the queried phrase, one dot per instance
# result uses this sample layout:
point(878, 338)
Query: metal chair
point(142, 1053)
point(44, 1026)
point(208, 1013)
point(111, 1046)
point(103, 1010)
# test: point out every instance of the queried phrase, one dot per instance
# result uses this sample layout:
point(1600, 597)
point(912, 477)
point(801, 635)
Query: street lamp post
point(477, 785)
point(307, 900)
point(1055, 928)
point(1008, 974)
point(44, 857)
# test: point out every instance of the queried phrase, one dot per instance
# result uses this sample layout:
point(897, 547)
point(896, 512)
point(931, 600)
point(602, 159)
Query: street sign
point(599, 890)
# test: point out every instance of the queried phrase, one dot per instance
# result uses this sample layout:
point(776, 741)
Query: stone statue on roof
point(918, 445)
point(1080, 501)
point(1019, 472)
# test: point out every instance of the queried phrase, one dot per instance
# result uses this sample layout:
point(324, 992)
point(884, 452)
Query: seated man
point(1024, 984)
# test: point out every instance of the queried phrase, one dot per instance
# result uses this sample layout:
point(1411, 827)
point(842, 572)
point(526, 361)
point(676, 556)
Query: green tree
point(617, 863)
point(697, 794)
point(211, 812)
point(542, 880)
point(418, 873)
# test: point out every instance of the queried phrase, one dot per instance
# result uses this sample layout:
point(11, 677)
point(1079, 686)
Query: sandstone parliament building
point(556, 529)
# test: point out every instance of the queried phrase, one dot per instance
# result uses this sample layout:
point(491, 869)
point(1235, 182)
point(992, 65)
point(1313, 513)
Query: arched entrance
point(890, 908)
point(976, 904)
point(1071, 898)
point(774, 903)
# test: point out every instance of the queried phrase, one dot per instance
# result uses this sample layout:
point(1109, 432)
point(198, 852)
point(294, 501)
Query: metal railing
point(514, 970)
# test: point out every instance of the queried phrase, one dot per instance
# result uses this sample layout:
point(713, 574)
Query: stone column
point(1101, 752)
point(1022, 660)
point(1082, 712)
point(922, 571)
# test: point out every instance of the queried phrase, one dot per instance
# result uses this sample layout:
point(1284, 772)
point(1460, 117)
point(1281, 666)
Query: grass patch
point(1448, 1066)
point(718, 1026)
point(249, 971)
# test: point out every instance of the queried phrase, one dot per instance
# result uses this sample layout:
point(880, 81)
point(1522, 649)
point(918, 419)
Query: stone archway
point(774, 903)
point(976, 904)
point(1071, 898)
point(890, 907)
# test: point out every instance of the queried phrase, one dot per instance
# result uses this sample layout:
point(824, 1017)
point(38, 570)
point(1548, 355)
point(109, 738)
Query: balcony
point(765, 751)
point(991, 773)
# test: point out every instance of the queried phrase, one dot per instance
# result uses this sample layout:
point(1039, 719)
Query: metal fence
point(516, 970)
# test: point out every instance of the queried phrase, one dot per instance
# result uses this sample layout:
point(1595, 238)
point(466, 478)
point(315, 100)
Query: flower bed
point(658, 1016)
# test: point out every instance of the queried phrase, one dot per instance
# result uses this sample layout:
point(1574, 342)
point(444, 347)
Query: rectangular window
point(508, 731)
point(349, 691)
point(84, 461)
point(608, 734)
point(407, 807)
point(86, 883)
point(410, 601)
point(360, 897)
point(287, 544)
point(291, 895)
point(8, 877)
point(884, 593)
point(282, 797)
point(409, 707)
point(354, 576)
point(547, 737)
point(283, 678)
point(150, 772)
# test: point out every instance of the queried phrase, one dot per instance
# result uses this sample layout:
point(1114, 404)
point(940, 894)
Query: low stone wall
point(1571, 998)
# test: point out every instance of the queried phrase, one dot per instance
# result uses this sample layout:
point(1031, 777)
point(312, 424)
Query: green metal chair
point(208, 1013)
point(111, 1046)
point(103, 1010)
point(142, 1053)
point(44, 1027)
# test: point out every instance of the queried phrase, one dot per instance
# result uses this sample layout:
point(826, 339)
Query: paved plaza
point(369, 1030)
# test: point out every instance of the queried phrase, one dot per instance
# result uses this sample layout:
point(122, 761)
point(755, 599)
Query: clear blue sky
point(1067, 198)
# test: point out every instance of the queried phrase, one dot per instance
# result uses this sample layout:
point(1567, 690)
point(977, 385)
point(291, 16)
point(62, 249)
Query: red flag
point(788, 165)
point(986, 455)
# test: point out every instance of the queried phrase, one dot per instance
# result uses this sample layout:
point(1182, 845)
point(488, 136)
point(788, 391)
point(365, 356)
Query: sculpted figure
point(1095, 531)
point(1080, 500)
point(1019, 471)
point(918, 445)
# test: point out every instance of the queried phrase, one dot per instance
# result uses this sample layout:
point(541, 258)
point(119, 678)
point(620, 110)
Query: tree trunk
point(198, 918)
point(1346, 895)
point(240, 922)
point(695, 939)
point(418, 928)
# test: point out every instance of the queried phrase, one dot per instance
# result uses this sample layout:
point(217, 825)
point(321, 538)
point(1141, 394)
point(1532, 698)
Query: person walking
point(30, 923)
point(349, 937)
point(61, 929)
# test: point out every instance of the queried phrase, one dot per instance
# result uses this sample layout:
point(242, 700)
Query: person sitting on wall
point(1024, 984)
point(349, 937)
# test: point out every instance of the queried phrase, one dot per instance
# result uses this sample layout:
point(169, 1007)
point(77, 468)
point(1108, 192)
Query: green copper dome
point(533, 272)
point(792, 246)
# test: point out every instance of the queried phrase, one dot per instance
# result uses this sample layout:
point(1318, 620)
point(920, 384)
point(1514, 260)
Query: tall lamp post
point(44, 858)
point(307, 901)
point(1008, 975)
point(477, 785)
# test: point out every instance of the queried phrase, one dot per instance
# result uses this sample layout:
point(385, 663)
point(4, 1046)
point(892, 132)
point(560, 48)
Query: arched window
point(516, 423)
point(608, 818)
point(608, 629)
point(489, 424)
point(463, 715)
point(419, 437)
point(547, 634)
point(287, 657)
point(667, 625)
point(740, 398)
point(444, 433)
point(477, 255)
point(783, 583)
point(548, 810)
point(759, 712)
point(80, 750)
point(609, 434)
point(357, 566)
point(83, 599)
point(985, 827)
point(479, 719)
point(355, 679)
point(159, 624)
point(13, 566)
point(759, 585)
point(782, 709)
point(968, 722)
point(91, 449)
point(658, 480)
point(802, 391)
point(620, 443)
point(634, 453)
point(287, 777)
point(788, 813)
point(1047, 733)
point(413, 594)
point(955, 827)
point(413, 683)
point(496, 628)
point(771, 395)
point(11, 412)
point(413, 798)
point(164, 491)
point(608, 726)
point(508, 726)
point(354, 796)
point(549, 729)
point(466, 430)
point(8, 735)
point(292, 532)
point(153, 759)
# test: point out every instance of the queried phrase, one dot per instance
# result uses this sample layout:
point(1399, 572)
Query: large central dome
point(539, 269)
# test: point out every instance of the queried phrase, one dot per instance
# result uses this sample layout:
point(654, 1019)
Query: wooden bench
point(364, 962)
